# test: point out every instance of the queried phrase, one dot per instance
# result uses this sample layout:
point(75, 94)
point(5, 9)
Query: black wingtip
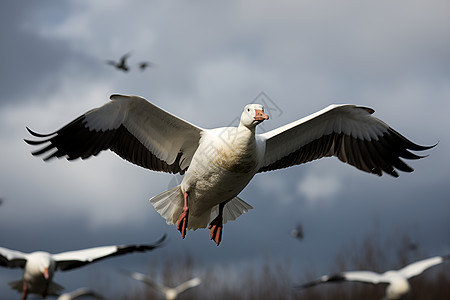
point(39, 135)
point(161, 241)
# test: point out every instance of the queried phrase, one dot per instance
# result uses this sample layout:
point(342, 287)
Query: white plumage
point(397, 280)
point(218, 163)
point(39, 267)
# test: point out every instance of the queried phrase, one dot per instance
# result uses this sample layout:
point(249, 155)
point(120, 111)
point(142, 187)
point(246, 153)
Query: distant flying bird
point(397, 280)
point(297, 232)
point(218, 163)
point(80, 293)
point(122, 64)
point(40, 266)
point(169, 293)
point(144, 65)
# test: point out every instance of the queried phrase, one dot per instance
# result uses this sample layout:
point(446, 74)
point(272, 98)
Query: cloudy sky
point(210, 59)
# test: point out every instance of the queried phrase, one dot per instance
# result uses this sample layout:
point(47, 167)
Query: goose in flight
point(397, 280)
point(79, 293)
point(121, 64)
point(297, 232)
point(169, 293)
point(218, 163)
point(39, 267)
point(144, 65)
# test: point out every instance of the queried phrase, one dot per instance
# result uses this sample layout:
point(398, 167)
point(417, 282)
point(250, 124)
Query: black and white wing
point(130, 126)
point(12, 258)
point(358, 276)
point(75, 259)
point(348, 132)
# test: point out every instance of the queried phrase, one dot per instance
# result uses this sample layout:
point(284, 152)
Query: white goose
point(397, 280)
point(39, 267)
point(169, 293)
point(219, 163)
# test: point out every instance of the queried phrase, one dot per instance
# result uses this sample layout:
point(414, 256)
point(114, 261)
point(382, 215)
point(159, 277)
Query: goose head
point(41, 263)
point(252, 115)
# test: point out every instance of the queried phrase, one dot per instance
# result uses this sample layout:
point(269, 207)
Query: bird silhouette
point(297, 232)
point(144, 65)
point(122, 64)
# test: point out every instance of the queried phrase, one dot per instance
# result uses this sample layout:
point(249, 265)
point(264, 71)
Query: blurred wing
point(188, 285)
point(124, 58)
point(418, 267)
point(81, 292)
point(364, 276)
point(12, 258)
point(147, 280)
point(112, 63)
point(348, 132)
point(359, 276)
point(133, 128)
point(75, 259)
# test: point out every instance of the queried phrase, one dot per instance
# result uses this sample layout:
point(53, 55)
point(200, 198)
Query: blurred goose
point(80, 293)
point(397, 280)
point(218, 163)
point(297, 232)
point(144, 65)
point(121, 64)
point(39, 267)
point(169, 293)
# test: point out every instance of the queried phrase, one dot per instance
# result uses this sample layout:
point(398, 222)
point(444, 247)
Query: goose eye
point(248, 109)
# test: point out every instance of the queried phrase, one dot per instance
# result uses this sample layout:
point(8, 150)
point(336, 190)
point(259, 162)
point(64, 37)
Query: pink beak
point(260, 115)
point(46, 273)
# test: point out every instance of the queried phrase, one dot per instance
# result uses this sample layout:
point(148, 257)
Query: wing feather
point(130, 126)
point(12, 258)
point(418, 267)
point(348, 132)
point(75, 259)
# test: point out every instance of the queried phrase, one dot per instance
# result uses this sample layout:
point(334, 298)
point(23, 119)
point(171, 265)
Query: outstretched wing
point(12, 258)
point(188, 285)
point(348, 132)
point(418, 267)
point(133, 128)
point(75, 259)
point(147, 280)
point(359, 276)
point(80, 293)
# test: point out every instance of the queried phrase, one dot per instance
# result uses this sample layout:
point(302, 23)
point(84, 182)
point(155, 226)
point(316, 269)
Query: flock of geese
point(123, 66)
point(217, 165)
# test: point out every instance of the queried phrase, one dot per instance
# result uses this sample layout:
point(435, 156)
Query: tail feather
point(16, 285)
point(233, 209)
point(169, 204)
point(54, 289)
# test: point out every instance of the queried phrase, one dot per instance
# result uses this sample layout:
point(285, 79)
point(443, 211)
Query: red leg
point(183, 219)
point(24, 290)
point(216, 226)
